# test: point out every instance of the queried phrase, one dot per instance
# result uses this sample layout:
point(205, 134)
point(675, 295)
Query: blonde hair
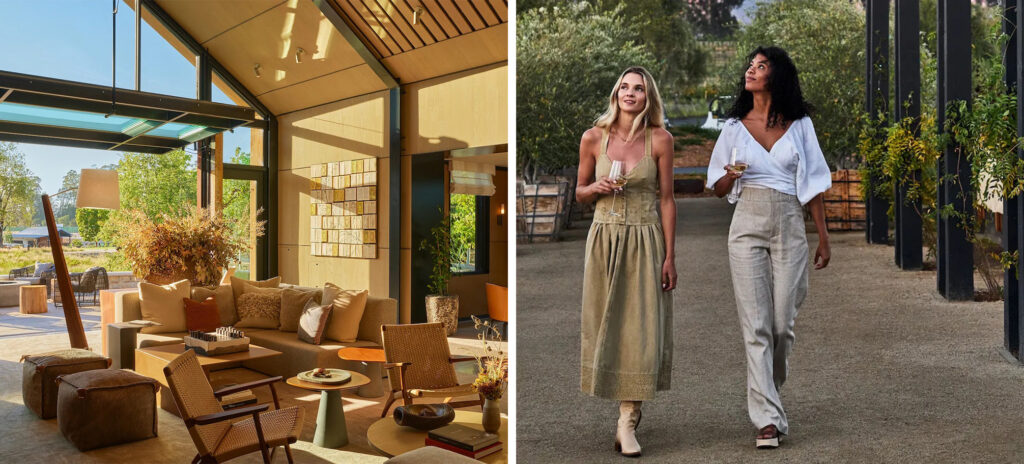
point(653, 114)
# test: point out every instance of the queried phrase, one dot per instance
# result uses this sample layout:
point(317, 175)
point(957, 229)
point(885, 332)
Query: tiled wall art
point(343, 209)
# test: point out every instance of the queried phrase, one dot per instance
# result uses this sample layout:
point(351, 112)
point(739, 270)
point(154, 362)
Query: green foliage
point(78, 260)
point(64, 205)
point(76, 243)
point(441, 251)
point(569, 58)
point(90, 221)
point(18, 188)
point(157, 184)
point(713, 18)
point(463, 233)
point(825, 38)
point(236, 198)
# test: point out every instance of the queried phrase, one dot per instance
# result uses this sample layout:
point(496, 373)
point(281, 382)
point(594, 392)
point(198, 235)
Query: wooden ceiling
point(391, 27)
point(448, 36)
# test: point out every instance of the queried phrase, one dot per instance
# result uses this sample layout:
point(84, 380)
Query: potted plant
point(441, 307)
point(193, 245)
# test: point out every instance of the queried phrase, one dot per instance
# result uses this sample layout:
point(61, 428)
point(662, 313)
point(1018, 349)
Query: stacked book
point(464, 440)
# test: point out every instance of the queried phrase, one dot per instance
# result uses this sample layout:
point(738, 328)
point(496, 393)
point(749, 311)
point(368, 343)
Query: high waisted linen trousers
point(768, 258)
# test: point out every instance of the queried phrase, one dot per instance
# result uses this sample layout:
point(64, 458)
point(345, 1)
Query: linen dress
point(626, 339)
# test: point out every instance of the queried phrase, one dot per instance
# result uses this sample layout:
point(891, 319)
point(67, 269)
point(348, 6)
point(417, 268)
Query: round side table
point(372, 358)
point(331, 431)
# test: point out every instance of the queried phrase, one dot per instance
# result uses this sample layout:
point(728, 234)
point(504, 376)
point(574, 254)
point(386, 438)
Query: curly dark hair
point(788, 102)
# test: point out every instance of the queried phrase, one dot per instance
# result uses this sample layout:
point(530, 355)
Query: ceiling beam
point(353, 40)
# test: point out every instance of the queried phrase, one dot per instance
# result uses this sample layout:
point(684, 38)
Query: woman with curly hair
point(782, 170)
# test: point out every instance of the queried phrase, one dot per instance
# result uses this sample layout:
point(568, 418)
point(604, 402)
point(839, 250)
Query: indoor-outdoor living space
point(257, 231)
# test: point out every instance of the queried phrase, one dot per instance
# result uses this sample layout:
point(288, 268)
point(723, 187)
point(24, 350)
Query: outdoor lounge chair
point(420, 365)
point(93, 280)
point(497, 305)
point(20, 272)
point(215, 436)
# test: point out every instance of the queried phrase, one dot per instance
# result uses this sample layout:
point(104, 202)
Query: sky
point(72, 40)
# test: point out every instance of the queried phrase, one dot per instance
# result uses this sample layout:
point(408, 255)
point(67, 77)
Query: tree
point(568, 61)
point(90, 221)
point(825, 38)
point(713, 19)
point(64, 205)
point(157, 184)
point(17, 188)
point(236, 194)
point(463, 222)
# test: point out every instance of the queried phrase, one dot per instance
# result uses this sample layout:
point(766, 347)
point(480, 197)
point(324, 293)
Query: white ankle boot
point(625, 434)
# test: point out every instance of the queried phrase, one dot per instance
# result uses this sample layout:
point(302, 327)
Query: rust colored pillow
point(203, 315)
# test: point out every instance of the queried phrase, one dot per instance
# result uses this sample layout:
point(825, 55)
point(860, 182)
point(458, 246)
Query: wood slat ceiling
point(387, 27)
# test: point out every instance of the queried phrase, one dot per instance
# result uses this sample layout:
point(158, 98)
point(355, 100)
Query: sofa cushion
point(314, 322)
point(164, 304)
point(201, 315)
point(297, 355)
point(346, 314)
point(293, 302)
point(260, 308)
point(238, 286)
point(41, 268)
point(225, 302)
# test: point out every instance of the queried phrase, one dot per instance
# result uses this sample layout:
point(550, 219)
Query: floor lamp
point(97, 188)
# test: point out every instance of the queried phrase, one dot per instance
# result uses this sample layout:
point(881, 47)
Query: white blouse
point(795, 165)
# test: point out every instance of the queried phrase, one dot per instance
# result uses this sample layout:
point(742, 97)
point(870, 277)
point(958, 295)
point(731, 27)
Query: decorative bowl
point(424, 416)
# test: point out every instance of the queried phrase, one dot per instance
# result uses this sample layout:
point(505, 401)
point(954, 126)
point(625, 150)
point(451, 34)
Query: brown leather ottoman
point(40, 372)
point(106, 407)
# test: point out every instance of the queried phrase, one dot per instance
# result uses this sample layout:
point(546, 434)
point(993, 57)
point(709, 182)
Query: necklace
point(624, 139)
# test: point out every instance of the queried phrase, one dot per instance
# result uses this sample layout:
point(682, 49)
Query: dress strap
point(604, 142)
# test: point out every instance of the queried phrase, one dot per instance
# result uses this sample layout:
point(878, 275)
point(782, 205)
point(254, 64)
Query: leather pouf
point(106, 407)
point(40, 372)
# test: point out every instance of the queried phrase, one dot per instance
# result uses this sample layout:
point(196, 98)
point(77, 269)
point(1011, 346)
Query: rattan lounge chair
point(421, 366)
point(215, 436)
point(92, 281)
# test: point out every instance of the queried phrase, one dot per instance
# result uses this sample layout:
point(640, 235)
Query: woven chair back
point(88, 281)
point(425, 347)
point(194, 397)
point(102, 281)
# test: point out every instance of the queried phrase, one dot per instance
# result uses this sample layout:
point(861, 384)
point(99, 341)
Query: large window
point(469, 222)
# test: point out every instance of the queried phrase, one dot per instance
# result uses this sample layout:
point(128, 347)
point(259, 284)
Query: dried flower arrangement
point(193, 245)
point(493, 364)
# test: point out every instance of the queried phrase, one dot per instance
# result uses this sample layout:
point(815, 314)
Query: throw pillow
point(313, 322)
point(238, 285)
point(259, 308)
point(164, 304)
point(202, 315)
point(41, 268)
point(225, 302)
point(347, 312)
point(293, 302)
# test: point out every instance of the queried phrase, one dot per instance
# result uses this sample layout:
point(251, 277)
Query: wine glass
point(739, 163)
point(615, 176)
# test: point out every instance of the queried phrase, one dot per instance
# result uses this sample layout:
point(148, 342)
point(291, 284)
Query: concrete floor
point(883, 369)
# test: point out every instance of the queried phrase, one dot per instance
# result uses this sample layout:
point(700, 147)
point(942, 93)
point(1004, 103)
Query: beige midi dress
point(626, 327)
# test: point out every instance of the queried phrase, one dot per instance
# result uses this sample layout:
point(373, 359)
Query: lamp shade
point(98, 188)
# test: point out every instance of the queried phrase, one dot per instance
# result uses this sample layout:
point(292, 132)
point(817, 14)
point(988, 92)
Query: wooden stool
point(32, 299)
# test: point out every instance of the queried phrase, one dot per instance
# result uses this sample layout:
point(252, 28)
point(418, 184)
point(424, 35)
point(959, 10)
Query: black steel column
point(1011, 292)
point(204, 91)
point(1017, 70)
point(877, 101)
point(908, 105)
point(956, 253)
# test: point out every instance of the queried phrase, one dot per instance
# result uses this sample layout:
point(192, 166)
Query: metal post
point(1018, 217)
point(908, 105)
point(1011, 292)
point(954, 64)
point(877, 101)
point(138, 45)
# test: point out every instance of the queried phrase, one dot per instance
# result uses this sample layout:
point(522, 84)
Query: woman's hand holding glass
point(734, 171)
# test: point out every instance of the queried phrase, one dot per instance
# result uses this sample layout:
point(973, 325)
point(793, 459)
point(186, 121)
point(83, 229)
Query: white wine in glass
point(739, 166)
point(615, 176)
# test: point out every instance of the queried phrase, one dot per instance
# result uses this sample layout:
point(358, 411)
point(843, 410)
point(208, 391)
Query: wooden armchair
point(421, 366)
point(497, 305)
point(218, 439)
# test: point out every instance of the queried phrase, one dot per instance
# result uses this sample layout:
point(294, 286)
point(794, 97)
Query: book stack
point(234, 400)
point(464, 440)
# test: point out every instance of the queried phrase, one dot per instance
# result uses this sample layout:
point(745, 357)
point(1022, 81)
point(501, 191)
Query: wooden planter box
point(844, 205)
point(541, 210)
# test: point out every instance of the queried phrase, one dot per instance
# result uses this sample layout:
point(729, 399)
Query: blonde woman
point(626, 342)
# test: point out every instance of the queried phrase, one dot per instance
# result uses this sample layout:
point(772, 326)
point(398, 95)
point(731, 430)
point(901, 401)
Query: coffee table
point(391, 439)
point(151, 361)
point(331, 431)
point(372, 358)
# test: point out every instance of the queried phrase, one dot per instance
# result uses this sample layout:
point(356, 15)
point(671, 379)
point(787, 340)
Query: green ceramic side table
point(331, 431)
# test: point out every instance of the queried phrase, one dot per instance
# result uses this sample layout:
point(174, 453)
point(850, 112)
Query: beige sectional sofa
point(297, 355)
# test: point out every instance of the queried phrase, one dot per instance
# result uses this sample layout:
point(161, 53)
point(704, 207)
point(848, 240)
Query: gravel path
point(883, 369)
